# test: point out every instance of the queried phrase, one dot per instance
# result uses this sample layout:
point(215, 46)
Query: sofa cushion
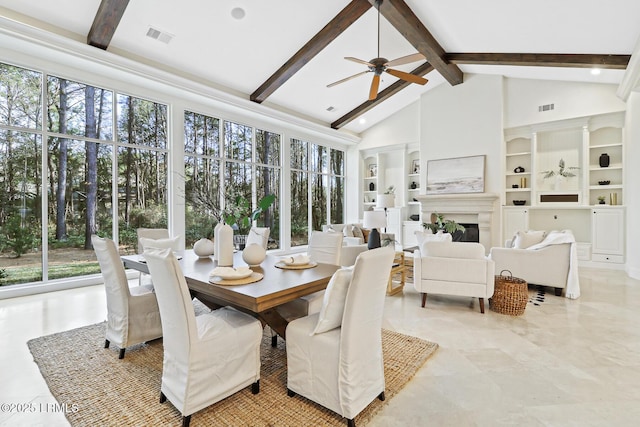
point(333, 303)
point(357, 232)
point(522, 240)
point(347, 231)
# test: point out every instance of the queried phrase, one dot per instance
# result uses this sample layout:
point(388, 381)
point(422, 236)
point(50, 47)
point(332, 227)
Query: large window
point(317, 188)
point(246, 165)
point(77, 160)
point(57, 173)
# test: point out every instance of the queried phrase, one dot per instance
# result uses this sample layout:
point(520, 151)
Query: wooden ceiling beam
point(614, 62)
point(350, 14)
point(386, 93)
point(407, 23)
point(105, 22)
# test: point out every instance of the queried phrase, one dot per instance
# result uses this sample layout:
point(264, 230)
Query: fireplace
point(473, 208)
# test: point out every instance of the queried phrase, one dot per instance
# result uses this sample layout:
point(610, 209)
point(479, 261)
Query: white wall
point(464, 120)
point(570, 99)
point(403, 127)
point(632, 184)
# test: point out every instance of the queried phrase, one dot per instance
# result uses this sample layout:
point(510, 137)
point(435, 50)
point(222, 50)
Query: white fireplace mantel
point(472, 207)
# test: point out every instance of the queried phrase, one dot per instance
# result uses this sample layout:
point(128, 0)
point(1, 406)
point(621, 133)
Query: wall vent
point(162, 36)
point(546, 107)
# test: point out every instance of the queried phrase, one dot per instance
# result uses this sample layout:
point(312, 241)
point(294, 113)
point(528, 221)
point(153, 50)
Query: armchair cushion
point(333, 303)
point(524, 239)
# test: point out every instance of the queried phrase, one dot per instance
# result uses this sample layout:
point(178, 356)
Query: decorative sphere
point(203, 247)
point(254, 254)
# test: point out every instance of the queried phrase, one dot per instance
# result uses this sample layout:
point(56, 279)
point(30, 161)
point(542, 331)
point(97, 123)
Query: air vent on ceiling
point(331, 108)
point(546, 107)
point(162, 36)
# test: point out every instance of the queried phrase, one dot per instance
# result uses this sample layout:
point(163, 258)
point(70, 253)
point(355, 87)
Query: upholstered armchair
point(334, 357)
point(207, 357)
point(453, 268)
point(132, 313)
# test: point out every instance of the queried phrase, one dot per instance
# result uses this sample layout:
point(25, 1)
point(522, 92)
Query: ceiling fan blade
point(412, 78)
point(359, 61)
point(375, 83)
point(406, 59)
point(348, 78)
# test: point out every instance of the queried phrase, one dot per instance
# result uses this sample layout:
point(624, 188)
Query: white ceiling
point(239, 55)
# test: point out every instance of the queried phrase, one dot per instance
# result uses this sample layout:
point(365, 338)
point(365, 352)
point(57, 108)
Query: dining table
point(260, 299)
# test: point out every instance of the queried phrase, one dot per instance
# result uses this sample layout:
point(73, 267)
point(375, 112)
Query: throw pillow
point(330, 316)
point(365, 234)
point(347, 231)
point(357, 232)
point(523, 240)
point(170, 243)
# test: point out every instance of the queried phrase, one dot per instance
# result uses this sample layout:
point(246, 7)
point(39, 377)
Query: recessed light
point(238, 12)
point(595, 71)
point(362, 121)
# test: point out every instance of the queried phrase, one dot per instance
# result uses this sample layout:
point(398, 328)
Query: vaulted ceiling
point(284, 53)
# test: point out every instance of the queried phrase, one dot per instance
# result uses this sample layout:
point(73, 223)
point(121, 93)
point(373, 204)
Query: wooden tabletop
point(277, 287)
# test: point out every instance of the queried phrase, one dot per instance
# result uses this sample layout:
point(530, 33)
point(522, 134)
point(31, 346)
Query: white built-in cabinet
point(608, 235)
point(573, 202)
point(397, 166)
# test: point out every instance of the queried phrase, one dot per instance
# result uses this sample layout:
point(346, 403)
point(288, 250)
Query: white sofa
point(353, 246)
point(546, 266)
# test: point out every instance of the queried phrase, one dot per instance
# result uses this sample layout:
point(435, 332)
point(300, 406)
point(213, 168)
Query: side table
point(395, 286)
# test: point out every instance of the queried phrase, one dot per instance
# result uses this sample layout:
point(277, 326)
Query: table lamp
point(374, 220)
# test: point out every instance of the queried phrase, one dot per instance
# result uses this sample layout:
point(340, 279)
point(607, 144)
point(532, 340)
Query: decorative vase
point(254, 254)
point(414, 185)
point(225, 246)
point(203, 248)
point(216, 241)
point(604, 160)
point(559, 184)
point(372, 186)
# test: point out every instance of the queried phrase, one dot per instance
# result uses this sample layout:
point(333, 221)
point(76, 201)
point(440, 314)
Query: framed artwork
point(415, 166)
point(457, 175)
point(373, 170)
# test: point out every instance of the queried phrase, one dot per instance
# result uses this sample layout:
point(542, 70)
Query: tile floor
point(563, 363)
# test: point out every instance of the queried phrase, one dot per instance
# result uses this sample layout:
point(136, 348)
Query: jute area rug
point(112, 392)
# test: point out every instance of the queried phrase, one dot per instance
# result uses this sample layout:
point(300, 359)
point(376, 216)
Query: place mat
point(284, 266)
point(254, 277)
point(78, 370)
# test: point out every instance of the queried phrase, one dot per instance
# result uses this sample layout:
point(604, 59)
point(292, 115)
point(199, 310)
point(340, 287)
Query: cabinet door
point(514, 219)
point(608, 231)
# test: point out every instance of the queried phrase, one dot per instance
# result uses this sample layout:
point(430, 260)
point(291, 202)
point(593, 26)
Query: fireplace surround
point(472, 208)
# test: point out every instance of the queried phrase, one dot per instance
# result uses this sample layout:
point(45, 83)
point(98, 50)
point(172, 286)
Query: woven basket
point(510, 295)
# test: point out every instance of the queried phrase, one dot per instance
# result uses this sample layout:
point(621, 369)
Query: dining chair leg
point(291, 393)
point(106, 343)
point(381, 396)
point(121, 355)
point(186, 420)
point(163, 398)
point(255, 387)
point(351, 423)
point(274, 340)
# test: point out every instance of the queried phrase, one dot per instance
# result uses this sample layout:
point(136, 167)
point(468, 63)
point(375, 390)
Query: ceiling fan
point(380, 65)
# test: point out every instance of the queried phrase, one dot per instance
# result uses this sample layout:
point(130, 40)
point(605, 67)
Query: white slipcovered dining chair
point(148, 235)
point(323, 248)
point(258, 235)
point(132, 313)
point(207, 357)
point(334, 357)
